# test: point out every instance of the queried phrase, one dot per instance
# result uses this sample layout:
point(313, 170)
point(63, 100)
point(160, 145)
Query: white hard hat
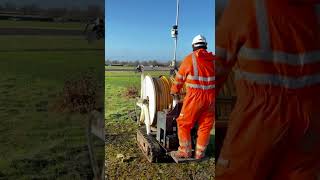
point(199, 40)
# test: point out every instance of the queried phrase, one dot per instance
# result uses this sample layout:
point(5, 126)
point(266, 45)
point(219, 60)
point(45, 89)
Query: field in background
point(41, 25)
point(39, 143)
point(72, 44)
point(131, 68)
point(121, 133)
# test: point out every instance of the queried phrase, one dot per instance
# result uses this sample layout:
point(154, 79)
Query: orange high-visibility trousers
point(272, 136)
point(197, 73)
point(198, 107)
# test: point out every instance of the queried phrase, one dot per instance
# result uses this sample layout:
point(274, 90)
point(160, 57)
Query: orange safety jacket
point(197, 72)
point(266, 48)
point(273, 47)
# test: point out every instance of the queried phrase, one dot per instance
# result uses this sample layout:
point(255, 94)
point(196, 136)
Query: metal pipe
point(177, 17)
point(174, 61)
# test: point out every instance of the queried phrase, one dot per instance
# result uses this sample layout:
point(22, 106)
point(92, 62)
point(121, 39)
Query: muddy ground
point(121, 139)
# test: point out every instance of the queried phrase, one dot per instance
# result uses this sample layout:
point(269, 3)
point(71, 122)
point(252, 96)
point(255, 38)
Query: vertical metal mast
point(174, 34)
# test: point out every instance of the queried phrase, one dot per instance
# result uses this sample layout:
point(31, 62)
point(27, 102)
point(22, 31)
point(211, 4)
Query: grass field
point(38, 143)
point(47, 43)
point(119, 67)
point(121, 133)
point(41, 25)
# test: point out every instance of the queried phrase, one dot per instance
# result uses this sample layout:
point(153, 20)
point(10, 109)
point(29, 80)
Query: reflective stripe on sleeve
point(223, 54)
point(262, 21)
point(197, 86)
point(280, 57)
point(177, 82)
point(264, 53)
point(200, 78)
point(179, 76)
point(278, 80)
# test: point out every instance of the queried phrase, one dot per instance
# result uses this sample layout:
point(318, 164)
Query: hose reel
point(155, 96)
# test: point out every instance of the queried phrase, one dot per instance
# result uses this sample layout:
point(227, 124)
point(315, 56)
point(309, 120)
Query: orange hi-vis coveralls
point(197, 72)
point(273, 47)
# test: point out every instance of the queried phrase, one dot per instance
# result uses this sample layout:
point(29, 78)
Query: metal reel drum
point(149, 93)
point(157, 92)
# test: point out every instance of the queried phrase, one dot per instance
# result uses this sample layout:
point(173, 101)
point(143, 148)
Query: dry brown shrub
point(80, 94)
point(131, 92)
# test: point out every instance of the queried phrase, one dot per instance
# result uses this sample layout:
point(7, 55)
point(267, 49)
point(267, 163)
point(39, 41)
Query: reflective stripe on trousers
point(200, 150)
point(185, 146)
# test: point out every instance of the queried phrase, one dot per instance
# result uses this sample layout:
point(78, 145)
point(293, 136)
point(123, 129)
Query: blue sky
point(140, 29)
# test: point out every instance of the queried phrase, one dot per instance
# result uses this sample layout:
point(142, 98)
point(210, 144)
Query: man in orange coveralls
point(197, 72)
point(273, 47)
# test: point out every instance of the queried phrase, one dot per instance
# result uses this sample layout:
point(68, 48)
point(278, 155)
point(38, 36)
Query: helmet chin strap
point(200, 47)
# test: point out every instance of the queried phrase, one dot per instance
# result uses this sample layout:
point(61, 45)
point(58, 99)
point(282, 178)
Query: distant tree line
point(92, 11)
point(137, 62)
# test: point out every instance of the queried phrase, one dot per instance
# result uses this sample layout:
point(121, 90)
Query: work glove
point(173, 93)
point(173, 71)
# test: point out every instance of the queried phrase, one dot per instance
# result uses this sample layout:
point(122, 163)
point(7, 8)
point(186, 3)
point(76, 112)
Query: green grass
point(120, 67)
point(54, 66)
point(121, 133)
point(41, 25)
point(62, 43)
point(116, 105)
point(39, 143)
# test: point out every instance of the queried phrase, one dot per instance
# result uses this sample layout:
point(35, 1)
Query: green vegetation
point(41, 25)
point(121, 132)
point(38, 142)
point(120, 67)
point(47, 43)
